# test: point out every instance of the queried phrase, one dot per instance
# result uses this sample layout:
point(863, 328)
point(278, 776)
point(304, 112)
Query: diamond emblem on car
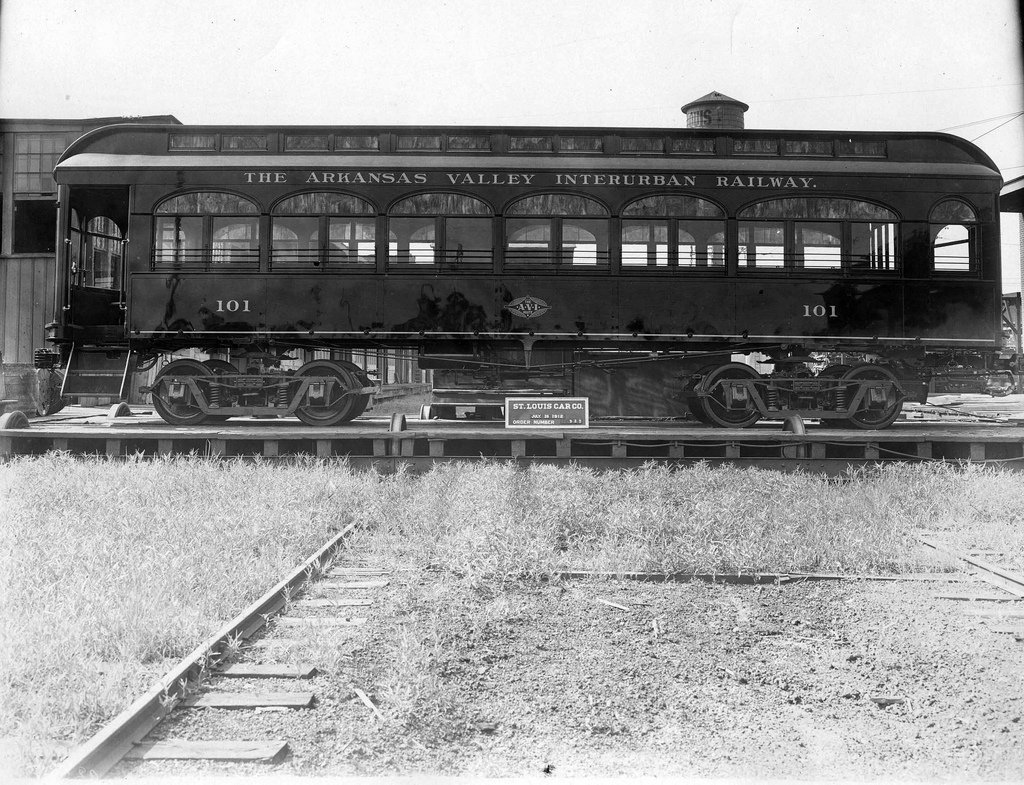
point(528, 307)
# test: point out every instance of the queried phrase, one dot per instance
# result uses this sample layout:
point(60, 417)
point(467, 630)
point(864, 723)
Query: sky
point(873, 65)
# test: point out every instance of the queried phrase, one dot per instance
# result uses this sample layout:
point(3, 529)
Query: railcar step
point(244, 700)
point(100, 373)
point(252, 751)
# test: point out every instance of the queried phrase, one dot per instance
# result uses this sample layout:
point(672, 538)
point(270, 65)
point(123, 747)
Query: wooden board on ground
point(252, 751)
point(1016, 631)
point(996, 613)
point(331, 602)
point(320, 621)
point(244, 700)
point(269, 643)
point(244, 670)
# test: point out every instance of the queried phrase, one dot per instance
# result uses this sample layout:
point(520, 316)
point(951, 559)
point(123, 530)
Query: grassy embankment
point(112, 571)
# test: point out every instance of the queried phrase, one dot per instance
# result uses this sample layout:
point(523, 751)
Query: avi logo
point(528, 307)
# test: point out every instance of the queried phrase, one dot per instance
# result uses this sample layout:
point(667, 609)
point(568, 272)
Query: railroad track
point(233, 703)
point(1003, 587)
point(233, 670)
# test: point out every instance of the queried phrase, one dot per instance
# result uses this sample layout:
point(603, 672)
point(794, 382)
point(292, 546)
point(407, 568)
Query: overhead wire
point(896, 92)
point(990, 130)
point(1011, 115)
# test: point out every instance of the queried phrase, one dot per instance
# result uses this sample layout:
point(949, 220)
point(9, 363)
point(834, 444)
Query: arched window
point(556, 232)
point(204, 228)
point(817, 233)
point(452, 230)
point(697, 226)
point(953, 228)
point(323, 230)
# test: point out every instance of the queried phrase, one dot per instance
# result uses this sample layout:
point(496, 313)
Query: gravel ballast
point(851, 680)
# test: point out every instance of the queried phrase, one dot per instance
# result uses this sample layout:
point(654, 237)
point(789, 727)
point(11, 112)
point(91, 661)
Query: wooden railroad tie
point(333, 602)
point(244, 670)
point(977, 597)
point(320, 621)
point(239, 751)
point(352, 584)
point(244, 700)
point(997, 613)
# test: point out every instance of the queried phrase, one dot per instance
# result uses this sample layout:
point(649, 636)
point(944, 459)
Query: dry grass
point(489, 523)
point(110, 571)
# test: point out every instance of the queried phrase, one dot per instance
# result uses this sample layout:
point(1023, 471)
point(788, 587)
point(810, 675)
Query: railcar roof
point(130, 145)
point(110, 162)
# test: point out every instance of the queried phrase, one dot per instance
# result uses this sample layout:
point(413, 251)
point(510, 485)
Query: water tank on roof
point(715, 110)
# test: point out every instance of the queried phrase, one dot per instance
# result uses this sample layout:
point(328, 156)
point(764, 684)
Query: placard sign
point(547, 413)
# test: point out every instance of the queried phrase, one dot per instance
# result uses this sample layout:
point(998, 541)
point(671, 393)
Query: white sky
point(895, 65)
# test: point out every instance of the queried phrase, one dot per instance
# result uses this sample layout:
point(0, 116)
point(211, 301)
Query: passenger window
point(451, 230)
point(528, 242)
point(552, 232)
point(644, 243)
point(762, 244)
point(951, 248)
point(179, 240)
point(201, 228)
point(697, 225)
point(953, 231)
point(819, 246)
point(411, 241)
point(701, 244)
point(236, 241)
point(102, 257)
point(873, 247)
point(817, 233)
point(325, 231)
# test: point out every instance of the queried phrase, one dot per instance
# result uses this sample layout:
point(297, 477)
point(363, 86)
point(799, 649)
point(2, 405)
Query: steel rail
point(1007, 580)
point(98, 755)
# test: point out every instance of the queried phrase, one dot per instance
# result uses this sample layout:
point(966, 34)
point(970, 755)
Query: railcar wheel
point(696, 406)
point(717, 406)
point(361, 401)
point(882, 414)
point(185, 411)
point(333, 407)
point(222, 367)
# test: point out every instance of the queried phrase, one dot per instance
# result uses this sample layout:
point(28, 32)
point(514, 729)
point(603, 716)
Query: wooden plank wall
point(26, 292)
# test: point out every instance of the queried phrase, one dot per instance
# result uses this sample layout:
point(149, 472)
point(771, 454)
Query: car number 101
point(231, 306)
point(820, 310)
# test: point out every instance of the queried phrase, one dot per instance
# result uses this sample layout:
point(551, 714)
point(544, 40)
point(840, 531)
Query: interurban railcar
point(633, 266)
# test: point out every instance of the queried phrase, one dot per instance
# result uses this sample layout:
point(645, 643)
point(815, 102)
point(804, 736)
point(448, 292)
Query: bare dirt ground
point(851, 680)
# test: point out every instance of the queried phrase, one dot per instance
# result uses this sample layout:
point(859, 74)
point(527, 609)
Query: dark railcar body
point(497, 251)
